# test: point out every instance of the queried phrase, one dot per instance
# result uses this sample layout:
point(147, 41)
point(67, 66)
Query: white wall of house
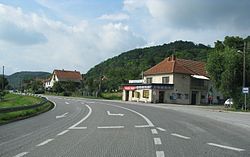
point(158, 78)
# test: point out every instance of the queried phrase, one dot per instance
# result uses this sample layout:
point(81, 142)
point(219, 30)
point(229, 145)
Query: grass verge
point(18, 115)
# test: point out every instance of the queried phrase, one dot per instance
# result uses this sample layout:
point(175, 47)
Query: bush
point(66, 93)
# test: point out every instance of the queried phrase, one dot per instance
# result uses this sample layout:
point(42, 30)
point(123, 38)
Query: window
point(149, 80)
point(145, 93)
point(133, 93)
point(178, 95)
point(165, 80)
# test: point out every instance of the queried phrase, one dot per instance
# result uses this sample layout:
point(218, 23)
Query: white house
point(62, 75)
point(174, 81)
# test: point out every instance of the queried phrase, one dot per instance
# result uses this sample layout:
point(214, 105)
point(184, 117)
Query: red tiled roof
point(68, 75)
point(175, 65)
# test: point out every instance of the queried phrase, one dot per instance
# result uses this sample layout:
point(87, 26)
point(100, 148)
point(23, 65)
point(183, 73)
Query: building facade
point(174, 81)
point(62, 75)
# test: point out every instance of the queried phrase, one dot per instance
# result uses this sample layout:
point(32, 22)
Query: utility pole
point(3, 80)
point(244, 74)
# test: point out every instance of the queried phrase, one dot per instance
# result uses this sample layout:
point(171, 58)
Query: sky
point(43, 35)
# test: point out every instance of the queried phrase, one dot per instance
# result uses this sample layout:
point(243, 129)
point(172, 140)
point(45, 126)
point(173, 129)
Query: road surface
point(96, 128)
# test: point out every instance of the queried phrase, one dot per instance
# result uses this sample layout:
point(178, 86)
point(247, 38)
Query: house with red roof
point(174, 80)
point(63, 75)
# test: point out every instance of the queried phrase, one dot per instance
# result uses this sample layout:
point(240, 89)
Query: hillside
point(17, 78)
point(130, 65)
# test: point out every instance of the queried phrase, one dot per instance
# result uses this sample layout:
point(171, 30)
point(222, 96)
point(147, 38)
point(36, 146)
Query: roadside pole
point(3, 80)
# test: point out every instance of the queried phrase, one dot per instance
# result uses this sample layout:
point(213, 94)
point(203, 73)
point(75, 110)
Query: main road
point(96, 128)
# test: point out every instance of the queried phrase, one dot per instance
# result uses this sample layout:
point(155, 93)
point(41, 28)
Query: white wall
point(158, 78)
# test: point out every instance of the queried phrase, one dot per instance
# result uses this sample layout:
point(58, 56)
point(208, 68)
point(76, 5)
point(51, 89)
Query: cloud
point(36, 42)
point(9, 32)
point(114, 17)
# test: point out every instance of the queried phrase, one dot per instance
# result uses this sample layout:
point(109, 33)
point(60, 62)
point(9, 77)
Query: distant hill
point(131, 64)
point(17, 78)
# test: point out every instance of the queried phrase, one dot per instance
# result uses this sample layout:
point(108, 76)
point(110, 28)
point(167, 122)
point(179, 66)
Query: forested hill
point(17, 78)
point(129, 65)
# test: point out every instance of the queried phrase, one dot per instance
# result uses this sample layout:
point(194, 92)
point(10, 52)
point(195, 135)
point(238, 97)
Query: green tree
point(224, 66)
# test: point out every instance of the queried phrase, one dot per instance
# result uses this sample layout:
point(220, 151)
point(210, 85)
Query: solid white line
point(154, 131)
point(84, 118)
point(144, 117)
point(78, 128)
point(62, 133)
point(110, 127)
point(157, 141)
point(54, 105)
point(160, 154)
point(161, 129)
point(142, 126)
point(180, 136)
point(21, 154)
point(226, 147)
point(66, 103)
point(45, 142)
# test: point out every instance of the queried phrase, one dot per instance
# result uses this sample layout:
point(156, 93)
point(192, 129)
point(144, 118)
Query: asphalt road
point(96, 128)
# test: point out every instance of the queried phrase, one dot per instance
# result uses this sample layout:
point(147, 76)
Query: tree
point(224, 66)
point(3, 81)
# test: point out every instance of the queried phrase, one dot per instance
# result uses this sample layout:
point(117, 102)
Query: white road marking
point(160, 154)
point(67, 103)
point(45, 142)
point(21, 154)
point(54, 105)
point(84, 118)
point(61, 116)
point(157, 141)
point(110, 127)
point(143, 126)
point(62, 133)
point(161, 129)
point(114, 114)
point(154, 131)
point(180, 136)
point(144, 117)
point(78, 128)
point(226, 147)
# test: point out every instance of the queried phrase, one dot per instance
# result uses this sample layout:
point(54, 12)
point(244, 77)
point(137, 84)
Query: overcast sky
point(42, 35)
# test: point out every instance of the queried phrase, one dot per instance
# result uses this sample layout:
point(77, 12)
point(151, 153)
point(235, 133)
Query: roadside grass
point(12, 100)
point(112, 96)
point(18, 115)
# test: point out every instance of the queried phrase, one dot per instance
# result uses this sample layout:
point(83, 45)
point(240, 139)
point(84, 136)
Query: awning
point(200, 77)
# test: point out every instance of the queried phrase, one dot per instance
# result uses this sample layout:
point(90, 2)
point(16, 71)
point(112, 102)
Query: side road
point(239, 119)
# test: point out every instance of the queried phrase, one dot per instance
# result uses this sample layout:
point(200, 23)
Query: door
point(161, 96)
point(193, 99)
point(127, 95)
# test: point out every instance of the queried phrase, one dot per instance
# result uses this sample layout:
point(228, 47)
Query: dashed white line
point(45, 142)
point(62, 133)
point(180, 136)
point(21, 154)
point(161, 129)
point(160, 154)
point(84, 118)
point(114, 114)
point(157, 141)
point(78, 128)
point(143, 126)
point(154, 131)
point(110, 127)
point(67, 103)
point(226, 147)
